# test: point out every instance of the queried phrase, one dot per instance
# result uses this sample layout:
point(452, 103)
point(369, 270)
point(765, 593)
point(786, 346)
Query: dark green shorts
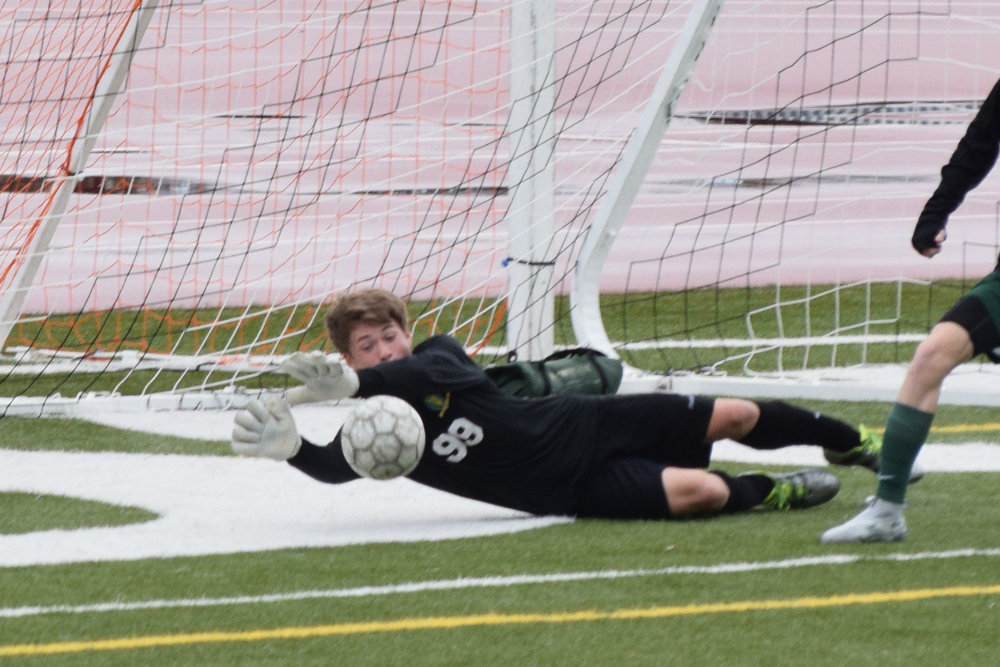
point(978, 312)
point(987, 290)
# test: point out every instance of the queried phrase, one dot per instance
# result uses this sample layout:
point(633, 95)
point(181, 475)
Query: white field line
point(490, 582)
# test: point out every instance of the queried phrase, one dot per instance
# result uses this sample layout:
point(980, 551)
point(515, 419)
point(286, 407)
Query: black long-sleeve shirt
point(973, 158)
point(481, 444)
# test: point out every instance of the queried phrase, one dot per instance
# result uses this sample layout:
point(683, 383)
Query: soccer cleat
point(800, 489)
point(867, 455)
point(881, 521)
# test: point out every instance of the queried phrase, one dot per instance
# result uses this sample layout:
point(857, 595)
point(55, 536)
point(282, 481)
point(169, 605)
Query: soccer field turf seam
point(497, 619)
point(461, 583)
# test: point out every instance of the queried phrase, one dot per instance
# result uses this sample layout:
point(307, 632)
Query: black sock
point(781, 424)
point(745, 491)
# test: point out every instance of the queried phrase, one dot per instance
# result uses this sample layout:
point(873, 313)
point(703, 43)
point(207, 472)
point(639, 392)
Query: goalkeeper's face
point(373, 344)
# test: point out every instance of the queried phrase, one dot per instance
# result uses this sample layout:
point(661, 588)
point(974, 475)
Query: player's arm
point(325, 464)
point(973, 159)
point(266, 429)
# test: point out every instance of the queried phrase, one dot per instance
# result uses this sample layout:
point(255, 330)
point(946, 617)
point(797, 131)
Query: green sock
point(906, 431)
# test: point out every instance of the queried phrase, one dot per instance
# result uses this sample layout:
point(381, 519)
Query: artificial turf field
point(749, 589)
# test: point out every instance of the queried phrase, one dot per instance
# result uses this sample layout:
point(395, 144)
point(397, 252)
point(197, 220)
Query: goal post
point(642, 146)
point(532, 121)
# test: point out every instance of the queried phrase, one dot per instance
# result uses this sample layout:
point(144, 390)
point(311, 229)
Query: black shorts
point(638, 436)
point(970, 313)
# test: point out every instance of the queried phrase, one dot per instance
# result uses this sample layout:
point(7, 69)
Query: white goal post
point(719, 193)
point(642, 146)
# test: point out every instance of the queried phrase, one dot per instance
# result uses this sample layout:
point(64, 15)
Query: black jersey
point(536, 455)
point(973, 158)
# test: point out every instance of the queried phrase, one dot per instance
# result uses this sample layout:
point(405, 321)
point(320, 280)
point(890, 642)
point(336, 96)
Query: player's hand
point(928, 237)
point(266, 429)
point(325, 379)
point(938, 242)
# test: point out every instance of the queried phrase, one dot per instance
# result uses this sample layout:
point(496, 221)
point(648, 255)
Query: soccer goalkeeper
point(969, 328)
point(640, 456)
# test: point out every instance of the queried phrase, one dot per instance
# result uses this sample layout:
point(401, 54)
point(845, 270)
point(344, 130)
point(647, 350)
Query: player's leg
point(690, 494)
point(693, 492)
point(776, 424)
point(698, 492)
point(966, 330)
point(732, 418)
point(655, 456)
point(641, 489)
point(909, 421)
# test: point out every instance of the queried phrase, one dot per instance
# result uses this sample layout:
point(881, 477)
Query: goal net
point(187, 185)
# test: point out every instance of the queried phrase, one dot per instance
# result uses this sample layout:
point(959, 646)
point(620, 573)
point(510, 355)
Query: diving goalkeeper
point(638, 456)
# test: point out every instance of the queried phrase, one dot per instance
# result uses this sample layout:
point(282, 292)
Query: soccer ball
point(383, 438)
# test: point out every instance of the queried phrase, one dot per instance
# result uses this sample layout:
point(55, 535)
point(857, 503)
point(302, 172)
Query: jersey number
point(454, 444)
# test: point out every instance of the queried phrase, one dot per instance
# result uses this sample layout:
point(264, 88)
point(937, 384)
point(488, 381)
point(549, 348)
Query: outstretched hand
point(266, 429)
point(325, 379)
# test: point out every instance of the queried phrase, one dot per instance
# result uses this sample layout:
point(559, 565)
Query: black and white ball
point(383, 438)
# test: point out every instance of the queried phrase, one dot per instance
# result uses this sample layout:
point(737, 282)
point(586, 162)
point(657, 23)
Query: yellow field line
point(451, 622)
point(987, 427)
point(967, 428)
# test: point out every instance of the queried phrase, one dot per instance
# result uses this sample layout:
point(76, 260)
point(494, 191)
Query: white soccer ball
point(383, 438)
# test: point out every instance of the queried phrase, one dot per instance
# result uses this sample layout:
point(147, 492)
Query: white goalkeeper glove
point(266, 429)
point(324, 378)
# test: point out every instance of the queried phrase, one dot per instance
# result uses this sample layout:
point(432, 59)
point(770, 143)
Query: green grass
point(83, 436)
point(911, 632)
point(781, 615)
point(29, 512)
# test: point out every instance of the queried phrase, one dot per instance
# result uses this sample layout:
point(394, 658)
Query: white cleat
point(881, 521)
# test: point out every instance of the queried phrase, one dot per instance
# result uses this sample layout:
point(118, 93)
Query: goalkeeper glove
point(266, 429)
point(325, 379)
